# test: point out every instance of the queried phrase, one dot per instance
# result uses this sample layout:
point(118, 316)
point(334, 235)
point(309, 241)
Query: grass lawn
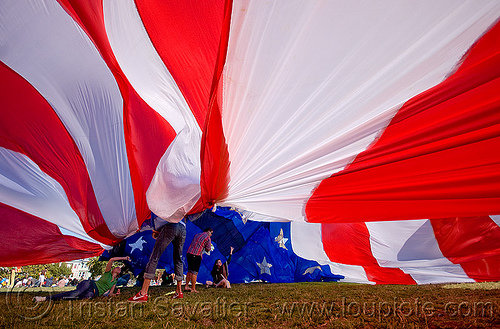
point(265, 305)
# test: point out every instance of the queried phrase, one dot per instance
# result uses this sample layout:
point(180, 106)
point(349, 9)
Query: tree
point(58, 270)
point(96, 267)
point(53, 270)
point(33, 270)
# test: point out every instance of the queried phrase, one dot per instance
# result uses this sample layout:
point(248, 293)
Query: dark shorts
point(194, 263)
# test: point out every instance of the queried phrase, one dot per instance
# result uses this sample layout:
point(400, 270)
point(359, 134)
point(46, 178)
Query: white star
point(243, 217)
point(281, 240)
point(137, 245)
point(265, 267)
point(312, 269)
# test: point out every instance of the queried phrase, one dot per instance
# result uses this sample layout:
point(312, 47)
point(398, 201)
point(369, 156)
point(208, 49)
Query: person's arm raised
point(111, 260)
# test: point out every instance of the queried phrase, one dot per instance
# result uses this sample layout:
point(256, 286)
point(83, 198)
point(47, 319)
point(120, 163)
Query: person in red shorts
point(201, 242)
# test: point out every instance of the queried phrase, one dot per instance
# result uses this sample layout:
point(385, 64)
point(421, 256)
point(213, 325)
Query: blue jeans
point(171, 232)
point(123, 280)
point(85, 289)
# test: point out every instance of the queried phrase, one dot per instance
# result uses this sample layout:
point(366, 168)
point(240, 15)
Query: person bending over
point(201, 241)
point(169, 233)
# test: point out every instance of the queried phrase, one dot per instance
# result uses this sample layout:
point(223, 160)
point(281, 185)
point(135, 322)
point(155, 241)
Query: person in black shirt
point(220, 273)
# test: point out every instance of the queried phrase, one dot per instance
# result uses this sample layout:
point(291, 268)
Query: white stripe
point(496, 219)
point(411, 246)
point(143, 66)
point(405, 243)
point(23, 185)
point(43, 44)
point(176, 185)
point(308, 85)
point(438, 274)
point(306, 241)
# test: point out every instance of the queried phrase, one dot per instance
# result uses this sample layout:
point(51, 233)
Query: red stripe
point(443, 137)
point(191, 38)
point(484, 269)
point(186, 36)
point(214, 152)
point(29, 125)
point(473, 242)
point(438, 157)
point(147, 134)
point(349, 244)
point(27, 239)
point(90, 17)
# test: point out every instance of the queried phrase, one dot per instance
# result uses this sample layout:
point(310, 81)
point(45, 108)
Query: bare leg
point(223, 284)
point(188, 278)
point(193, 282)
point(178, 289)
point(145, 287)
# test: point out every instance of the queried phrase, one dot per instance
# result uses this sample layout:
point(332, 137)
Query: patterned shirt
point(200, 241)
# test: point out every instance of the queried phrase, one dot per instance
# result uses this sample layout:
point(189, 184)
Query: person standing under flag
point(201, 242)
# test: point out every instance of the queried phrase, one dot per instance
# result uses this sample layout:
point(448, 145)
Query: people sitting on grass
point(167, 279)
point(41, 278)
point(91, 288)
point(220, 273)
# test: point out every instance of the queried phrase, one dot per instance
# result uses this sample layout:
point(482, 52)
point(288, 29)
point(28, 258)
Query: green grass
point(478, 285)
point(262, 305)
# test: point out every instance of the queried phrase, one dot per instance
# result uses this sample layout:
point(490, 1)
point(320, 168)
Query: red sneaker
point(138, 298)
point(177, 296)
